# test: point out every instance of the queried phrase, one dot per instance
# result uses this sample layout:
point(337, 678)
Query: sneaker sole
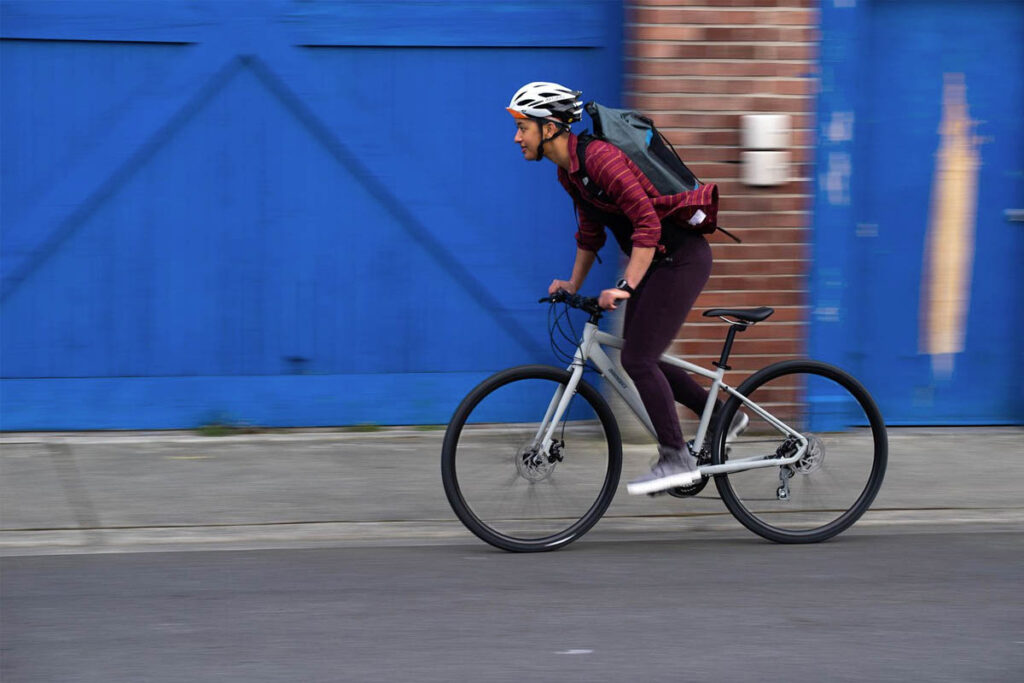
point(655, 485)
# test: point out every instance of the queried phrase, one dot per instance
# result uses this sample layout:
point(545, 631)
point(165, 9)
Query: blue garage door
point(277, 213)
point(933, 245)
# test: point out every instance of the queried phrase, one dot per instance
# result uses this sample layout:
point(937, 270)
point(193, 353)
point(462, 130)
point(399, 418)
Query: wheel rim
point(517, 493)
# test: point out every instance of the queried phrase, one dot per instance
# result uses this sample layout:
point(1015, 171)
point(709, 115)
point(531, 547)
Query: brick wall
point(696, 66)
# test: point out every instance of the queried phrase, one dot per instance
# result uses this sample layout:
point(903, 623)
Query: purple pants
point(654, 314)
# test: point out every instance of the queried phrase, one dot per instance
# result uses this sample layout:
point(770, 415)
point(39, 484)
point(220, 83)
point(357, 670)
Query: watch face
point(621, 283)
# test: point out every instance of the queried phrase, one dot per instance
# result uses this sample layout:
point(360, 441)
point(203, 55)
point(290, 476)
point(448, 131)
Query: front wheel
point(833, 483)
point(504, 486)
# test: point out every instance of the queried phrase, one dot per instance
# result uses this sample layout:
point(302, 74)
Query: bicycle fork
point(564, 394)
point(556, 409)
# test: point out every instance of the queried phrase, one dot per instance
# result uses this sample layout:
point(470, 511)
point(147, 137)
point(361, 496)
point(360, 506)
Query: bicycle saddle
point(749, 315)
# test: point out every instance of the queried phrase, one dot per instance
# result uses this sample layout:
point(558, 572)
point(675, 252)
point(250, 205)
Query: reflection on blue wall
point(896, 173)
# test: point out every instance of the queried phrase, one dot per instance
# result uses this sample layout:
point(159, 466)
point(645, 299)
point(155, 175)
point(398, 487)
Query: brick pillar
point(696, 66)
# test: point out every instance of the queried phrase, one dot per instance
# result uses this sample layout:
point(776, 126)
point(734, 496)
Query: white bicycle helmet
point(547, 102)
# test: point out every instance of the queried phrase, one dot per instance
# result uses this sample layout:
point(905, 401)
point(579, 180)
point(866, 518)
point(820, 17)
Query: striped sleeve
point(608, 166)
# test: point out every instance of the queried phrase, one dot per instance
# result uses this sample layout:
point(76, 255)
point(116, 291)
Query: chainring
point(703, 458)
point(688, 491)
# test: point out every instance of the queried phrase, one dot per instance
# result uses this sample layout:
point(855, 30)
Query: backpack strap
point(582, 141)
point(732, 236)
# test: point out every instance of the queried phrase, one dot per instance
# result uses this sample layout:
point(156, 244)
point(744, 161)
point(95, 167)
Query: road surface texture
point(922, 604)
point(326, 556)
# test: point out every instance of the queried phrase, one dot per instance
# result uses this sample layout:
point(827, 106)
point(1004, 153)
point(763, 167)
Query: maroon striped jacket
point(630, 206)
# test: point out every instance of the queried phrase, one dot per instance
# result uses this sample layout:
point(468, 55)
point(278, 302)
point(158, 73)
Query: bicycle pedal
point(655, 494)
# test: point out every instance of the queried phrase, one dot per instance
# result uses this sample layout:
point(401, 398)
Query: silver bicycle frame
point(592, 348)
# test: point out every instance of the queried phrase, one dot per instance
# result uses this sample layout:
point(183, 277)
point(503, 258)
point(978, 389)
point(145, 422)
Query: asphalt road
point(876, 604)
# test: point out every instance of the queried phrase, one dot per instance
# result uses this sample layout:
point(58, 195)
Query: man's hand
point(561, 284)
point(609, 297)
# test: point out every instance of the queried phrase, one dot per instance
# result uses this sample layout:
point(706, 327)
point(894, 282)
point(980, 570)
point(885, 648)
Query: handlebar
point(587, 304)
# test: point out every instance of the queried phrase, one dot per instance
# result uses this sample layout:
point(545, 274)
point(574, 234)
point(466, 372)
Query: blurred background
point(297, 213)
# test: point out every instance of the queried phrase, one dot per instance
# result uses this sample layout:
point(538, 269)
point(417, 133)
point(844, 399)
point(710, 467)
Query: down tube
point(623, 387)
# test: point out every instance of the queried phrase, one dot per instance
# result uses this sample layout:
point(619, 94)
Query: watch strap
point(624, 286)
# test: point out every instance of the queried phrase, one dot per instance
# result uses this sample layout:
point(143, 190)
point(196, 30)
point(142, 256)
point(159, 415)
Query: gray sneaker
point(675, 467)
point(738, 426)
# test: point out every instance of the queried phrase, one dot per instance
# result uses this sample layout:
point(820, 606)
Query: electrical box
point(765, 141)
point(764, 167)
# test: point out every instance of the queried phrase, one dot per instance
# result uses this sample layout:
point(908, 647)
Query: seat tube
point(709, 407)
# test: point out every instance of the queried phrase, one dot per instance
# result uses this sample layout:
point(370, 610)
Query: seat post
point(727, 349)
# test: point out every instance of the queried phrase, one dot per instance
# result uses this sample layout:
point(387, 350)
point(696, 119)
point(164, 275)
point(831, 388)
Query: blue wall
point(277, 213)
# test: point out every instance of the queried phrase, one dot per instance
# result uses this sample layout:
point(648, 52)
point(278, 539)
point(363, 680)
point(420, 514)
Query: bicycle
point(532, 456)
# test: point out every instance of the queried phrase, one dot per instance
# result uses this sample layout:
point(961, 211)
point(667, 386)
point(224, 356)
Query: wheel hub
point(812, 458)
point(533, 465)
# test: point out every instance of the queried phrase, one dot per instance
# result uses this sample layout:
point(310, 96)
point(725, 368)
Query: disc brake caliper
point(555, 452)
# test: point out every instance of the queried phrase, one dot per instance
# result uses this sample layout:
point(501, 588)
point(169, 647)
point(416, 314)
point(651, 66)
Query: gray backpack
point(638, 137)
point(643, 143)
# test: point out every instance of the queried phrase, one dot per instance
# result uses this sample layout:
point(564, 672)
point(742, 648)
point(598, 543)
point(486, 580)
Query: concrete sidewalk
point(141, 491)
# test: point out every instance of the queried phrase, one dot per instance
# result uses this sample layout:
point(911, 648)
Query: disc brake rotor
point(533, 465)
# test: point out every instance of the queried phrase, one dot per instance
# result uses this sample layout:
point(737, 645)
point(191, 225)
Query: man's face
point(528, 134)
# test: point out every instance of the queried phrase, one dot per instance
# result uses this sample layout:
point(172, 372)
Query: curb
point(443, 532)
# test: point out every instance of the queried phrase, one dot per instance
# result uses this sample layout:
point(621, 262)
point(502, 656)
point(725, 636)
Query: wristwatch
point(624, 286)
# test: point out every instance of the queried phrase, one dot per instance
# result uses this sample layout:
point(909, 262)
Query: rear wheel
point(509, 491)
point(839, 475)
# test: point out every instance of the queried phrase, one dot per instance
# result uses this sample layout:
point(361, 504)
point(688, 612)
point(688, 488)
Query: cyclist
point(669, 263)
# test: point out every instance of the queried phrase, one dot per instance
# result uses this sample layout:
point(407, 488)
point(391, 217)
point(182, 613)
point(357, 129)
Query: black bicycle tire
point(449, 454)
point(875, 478)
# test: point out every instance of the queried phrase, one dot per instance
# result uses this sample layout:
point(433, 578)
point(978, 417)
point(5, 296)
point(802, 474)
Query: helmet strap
point(562, 128)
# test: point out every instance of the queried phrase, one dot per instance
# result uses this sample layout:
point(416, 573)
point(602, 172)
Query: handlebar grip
point(558, 297)
point(583, 303)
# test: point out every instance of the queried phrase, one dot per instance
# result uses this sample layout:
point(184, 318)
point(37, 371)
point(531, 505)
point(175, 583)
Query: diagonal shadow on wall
point(69, 206)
